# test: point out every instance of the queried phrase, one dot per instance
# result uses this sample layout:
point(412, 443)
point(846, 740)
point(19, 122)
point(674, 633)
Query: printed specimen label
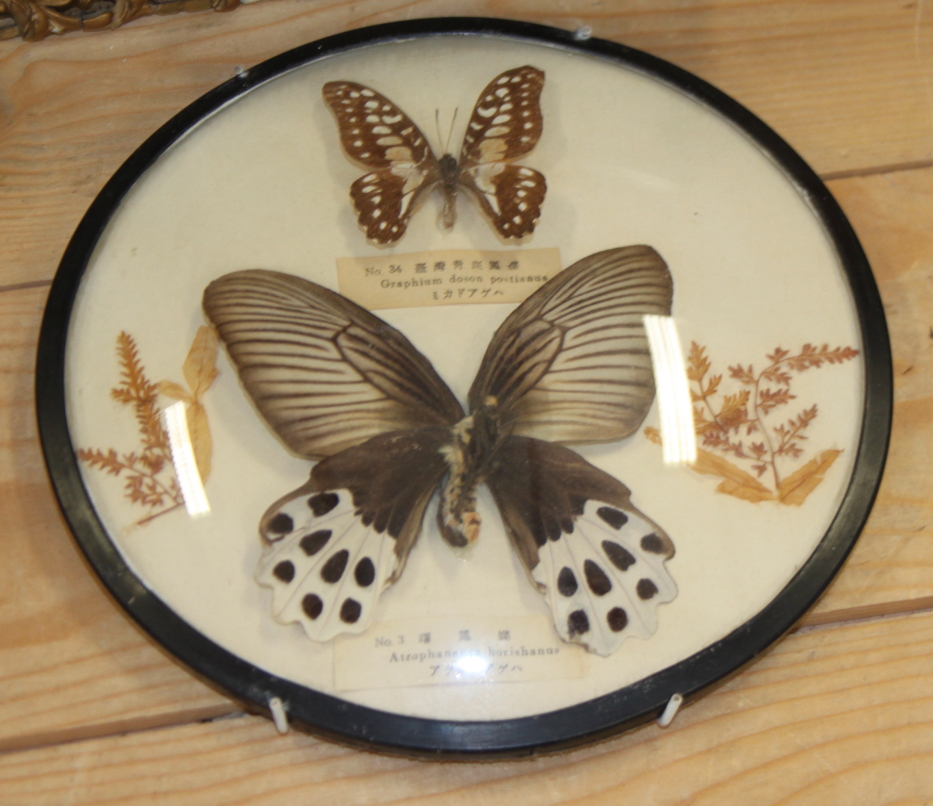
point(451, 277)
point(434, 652)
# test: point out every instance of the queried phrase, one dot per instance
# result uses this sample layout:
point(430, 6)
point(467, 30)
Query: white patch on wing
point(413, 177)
point(492, 148)
point(603, 582)
point(327, 571)
point(483, 176)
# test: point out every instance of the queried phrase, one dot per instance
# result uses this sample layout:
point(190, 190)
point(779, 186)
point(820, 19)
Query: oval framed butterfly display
point(537, 433)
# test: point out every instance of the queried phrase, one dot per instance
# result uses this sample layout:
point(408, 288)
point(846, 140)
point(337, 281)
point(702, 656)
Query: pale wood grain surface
point(830, 716)
point(839, 713)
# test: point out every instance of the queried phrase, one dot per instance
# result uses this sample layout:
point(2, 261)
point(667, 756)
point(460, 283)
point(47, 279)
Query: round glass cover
point(467, 386)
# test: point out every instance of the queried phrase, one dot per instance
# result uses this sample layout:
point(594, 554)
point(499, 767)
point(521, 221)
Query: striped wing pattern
point(572, 364)
point(324, 373)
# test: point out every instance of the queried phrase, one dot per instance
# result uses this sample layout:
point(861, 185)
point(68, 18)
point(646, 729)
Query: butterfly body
point(505, 126)
point(336, 383)
point(450, 175)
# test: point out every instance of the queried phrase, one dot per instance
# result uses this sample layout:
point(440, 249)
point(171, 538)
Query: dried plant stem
point(764, 432)
point(158, 514)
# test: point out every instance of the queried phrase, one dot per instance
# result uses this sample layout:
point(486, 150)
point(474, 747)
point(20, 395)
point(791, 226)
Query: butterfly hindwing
point(571, 363)
point(324, 373)
point(597, 559)
point(331, 547)
point(510, 196)
point(386, 199)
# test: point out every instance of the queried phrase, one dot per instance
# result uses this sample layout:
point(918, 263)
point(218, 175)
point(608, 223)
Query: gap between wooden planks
point(842, 715)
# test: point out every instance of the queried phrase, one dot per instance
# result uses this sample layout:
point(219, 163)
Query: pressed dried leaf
point(200, 434)
point(734, 410)
point(772, 398)
point(697, 364)
point(199, 368)
point(174, 390)
point(746, 376)
point(745, 492)
point(736, 482)
point(796, 487)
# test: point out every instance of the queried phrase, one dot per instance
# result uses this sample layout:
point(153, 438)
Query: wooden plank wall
point(841, 711)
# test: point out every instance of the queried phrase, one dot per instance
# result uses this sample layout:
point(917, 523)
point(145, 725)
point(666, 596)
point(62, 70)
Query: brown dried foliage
point(148, 472)
point(725, 422)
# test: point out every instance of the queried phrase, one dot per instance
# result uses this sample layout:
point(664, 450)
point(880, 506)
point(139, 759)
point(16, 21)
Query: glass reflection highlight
point(186, 468)
point(670, 374)
point(473, 665)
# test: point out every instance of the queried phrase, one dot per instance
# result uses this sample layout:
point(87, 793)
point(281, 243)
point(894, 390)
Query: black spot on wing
point(284, 571)
point(646, 589)
point(614, 517)
point(617, 619)
point(618, 555)
point(538, 532)
point(566, 582)
point(280, 525)
point(578, 623)
point(596, 578)
point(311, 544)
point(350, 611)
point(312, 605)
point(333, 569)
point(322, 503)
point(652, 543)
point(365, 572)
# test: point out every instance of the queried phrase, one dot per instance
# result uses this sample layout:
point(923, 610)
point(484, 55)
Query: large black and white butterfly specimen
point(505, 126)
point(571, 364)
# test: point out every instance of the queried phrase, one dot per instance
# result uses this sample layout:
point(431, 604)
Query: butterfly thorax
point(450, 172)
point(474, 444)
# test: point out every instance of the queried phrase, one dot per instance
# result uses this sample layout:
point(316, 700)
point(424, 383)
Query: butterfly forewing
point(506, 122)
point(571, 363)
point(598, 561)
point(325, 373)
point(373, 130)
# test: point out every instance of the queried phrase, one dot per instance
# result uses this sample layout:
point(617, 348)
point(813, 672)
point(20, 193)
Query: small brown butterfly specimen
point(505, 126)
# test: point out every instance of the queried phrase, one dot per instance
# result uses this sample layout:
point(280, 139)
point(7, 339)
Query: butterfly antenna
point(451, 131)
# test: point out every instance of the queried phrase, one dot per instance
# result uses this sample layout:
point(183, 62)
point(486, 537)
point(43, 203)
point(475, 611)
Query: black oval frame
point(335, 718)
